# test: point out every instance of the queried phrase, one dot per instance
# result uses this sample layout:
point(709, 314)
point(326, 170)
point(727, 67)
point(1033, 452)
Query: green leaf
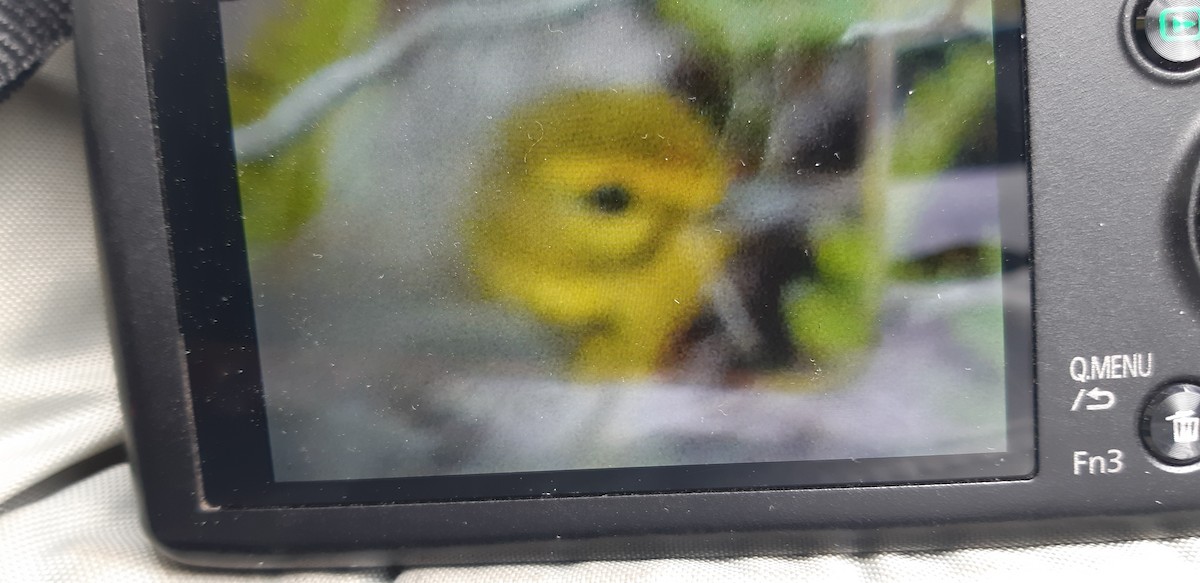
point(945, 111)
point(283, 192)
point(973, 261)
point(750, 29)
point(836, 313)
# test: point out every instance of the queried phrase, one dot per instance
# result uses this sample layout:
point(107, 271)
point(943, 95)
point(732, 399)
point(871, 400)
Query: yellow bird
point(593, 216)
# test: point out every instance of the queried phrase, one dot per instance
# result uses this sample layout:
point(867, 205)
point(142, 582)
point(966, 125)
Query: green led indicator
point(1179, 24)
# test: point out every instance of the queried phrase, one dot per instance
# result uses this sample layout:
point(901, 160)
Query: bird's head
point(597, 180)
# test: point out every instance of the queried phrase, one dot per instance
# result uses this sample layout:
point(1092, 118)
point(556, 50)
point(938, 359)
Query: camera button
point(1170, 425)
point(1163, 37)
point(1172, 27)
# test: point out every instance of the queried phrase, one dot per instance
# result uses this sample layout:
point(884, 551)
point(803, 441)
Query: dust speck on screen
point(517, 236)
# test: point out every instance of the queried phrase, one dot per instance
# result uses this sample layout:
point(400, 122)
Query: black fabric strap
point(29, 31)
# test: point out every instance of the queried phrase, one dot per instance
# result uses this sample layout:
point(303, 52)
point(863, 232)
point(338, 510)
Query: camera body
point(1110, 221)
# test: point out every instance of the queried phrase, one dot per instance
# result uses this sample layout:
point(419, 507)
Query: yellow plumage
point(593, 216)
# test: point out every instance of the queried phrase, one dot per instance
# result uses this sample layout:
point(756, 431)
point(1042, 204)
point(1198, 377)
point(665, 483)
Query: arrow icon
point(1103, 399)
point(1179, 24)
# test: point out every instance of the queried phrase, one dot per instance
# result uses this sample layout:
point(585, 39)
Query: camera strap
point(30, 30)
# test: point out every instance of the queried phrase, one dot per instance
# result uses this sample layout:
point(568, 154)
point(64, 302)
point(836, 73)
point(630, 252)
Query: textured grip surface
point(29, 31)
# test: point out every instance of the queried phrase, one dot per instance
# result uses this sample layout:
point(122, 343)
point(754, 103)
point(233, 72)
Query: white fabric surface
point(58, 406)
point(56, 374)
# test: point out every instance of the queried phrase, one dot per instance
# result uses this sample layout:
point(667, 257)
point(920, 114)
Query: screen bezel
point(187, 70)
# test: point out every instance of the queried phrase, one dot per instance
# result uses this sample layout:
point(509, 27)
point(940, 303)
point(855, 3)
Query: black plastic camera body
point(1113, 144)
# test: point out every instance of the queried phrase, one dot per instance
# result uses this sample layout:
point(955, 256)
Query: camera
point(479, 281)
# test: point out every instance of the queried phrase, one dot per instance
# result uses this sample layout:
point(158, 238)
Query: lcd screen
point(536, 237)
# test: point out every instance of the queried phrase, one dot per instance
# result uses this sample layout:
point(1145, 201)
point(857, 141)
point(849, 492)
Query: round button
point(1172, 27)
point(1171, 424)
point(1163, 37)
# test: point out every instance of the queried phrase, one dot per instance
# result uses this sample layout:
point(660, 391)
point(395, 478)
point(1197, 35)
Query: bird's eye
point(610, 199)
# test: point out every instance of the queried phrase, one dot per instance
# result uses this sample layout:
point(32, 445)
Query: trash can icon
point(1185, 426)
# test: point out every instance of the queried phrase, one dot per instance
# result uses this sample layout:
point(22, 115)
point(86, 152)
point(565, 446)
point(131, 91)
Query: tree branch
point(329, 86)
